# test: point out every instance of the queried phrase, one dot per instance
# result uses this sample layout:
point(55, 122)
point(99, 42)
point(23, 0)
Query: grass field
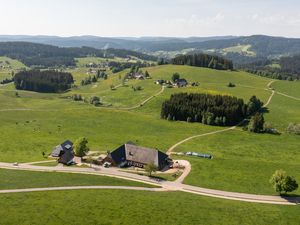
point(244, 49)
point(243, 161)
point(135, 207)
point(7, 65)
point(13, 179)
point(288, 87)
point(52, 118)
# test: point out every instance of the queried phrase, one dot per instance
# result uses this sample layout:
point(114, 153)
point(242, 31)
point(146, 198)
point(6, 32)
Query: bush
point(282, 182)
point(77, 97)
point(269, 128)
point(293, 128)
point(94, 100)
point(175, 77)
point(231, 85)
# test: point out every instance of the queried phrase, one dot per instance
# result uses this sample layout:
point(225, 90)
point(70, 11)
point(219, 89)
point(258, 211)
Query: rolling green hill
point(35, 122)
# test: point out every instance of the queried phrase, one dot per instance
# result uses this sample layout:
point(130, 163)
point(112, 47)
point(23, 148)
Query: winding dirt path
point(79, 188)
point(142, 103)
point(164, 185)
point(223, 130)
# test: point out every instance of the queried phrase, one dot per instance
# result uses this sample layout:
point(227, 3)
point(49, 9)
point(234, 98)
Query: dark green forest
point(288, 68)
point(203, 60)
point(50, 81)
point(204, 108)
point(44, 56)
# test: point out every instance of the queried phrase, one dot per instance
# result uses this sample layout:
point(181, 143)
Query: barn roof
point(130, 152)
point(64, 147)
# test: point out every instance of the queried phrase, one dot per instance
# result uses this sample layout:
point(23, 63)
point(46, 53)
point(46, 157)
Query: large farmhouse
point(132, 155)
point(64, 152)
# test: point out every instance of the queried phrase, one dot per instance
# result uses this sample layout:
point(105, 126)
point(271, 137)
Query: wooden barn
point(131, 155)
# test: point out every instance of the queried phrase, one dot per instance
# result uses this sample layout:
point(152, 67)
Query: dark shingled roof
point(130, 152)
point(64, 152)
point(60, 149)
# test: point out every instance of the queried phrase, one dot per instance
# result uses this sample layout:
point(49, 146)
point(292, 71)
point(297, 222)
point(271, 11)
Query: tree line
point(220, 110)
point(49, 81)
point(120, 66)
point(203, 60)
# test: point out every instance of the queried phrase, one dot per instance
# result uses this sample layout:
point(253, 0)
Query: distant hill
point(33, 54)
point(140, 44)
point(241, 50)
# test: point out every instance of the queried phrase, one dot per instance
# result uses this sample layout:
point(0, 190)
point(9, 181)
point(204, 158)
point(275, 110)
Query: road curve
point(165, 185)
point(223, 130)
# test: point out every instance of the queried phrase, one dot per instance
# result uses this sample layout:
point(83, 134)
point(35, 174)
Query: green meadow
point(16, 179)
point(136, 207)
point(34, 123)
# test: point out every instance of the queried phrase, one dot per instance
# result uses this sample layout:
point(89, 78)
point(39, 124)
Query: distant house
point(138, 76)
point(132, 155)
point(160, 82)
point(64, 152)
point(181, 83)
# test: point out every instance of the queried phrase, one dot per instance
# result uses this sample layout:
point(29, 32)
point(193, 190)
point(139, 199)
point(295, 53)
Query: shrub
point(231, 85)
point(293, 128)
point(94, 100)
point(282, 182)
point(269, 128)
point(256, 124)
point(77, 97)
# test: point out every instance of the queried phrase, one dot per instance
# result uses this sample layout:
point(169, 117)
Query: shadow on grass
point(153, 177)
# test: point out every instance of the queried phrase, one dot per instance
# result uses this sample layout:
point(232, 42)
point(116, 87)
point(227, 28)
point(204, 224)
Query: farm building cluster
point(178, 83)
point(127, 155)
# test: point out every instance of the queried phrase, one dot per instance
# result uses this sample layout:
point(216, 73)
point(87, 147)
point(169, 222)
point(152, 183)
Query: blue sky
point(136, 18)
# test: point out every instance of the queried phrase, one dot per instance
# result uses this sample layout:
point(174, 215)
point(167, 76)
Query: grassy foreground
point(136, 207)
point(13, 179)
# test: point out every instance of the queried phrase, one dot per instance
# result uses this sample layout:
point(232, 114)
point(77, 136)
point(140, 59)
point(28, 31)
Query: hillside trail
point(170, 150)
point(142, 103)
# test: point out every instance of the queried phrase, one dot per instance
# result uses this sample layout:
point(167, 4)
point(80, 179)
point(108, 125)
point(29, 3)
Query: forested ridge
point(203, 60)
point(288, 68)
point(45, 56)
point(43, 81)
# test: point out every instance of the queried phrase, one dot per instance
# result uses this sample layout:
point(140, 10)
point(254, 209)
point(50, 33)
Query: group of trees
point(7, 80)
point(203, 60)
point(50, 81)
point(120, 66)
point(93, 79)
point(209, 109)
point(204, 108)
